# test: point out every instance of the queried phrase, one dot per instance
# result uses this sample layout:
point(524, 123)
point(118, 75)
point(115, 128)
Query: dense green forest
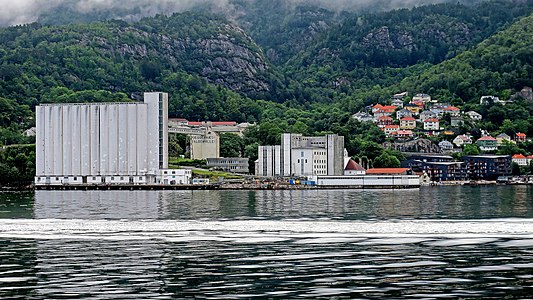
point(299, 68)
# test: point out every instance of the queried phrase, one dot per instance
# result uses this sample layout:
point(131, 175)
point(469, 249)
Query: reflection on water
point(455, 202)
point(428, 243)
point(99, 259)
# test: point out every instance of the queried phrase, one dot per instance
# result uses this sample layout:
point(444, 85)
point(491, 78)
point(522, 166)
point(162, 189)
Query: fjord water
point(428, 243)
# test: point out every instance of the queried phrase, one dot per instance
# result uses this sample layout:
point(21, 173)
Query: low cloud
point(16, 12)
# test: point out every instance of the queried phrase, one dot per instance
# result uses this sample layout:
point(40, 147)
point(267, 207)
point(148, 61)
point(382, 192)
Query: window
point(112, 178)
point(94, 178)
point(121, 178)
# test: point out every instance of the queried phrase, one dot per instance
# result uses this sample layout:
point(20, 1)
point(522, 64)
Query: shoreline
point(239, 187)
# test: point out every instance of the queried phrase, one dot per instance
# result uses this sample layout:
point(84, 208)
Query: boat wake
point(435, 232)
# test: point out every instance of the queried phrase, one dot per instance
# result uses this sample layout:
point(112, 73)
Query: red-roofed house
point(388, 171)
point(384, 121)
point(353, 168)
point(452, 110)
point(376, 108)
point(487, 143)
point(419, 103)
point(520, 137)
point(390, 129)
point(402, 134)
point(520, 159)
point(384, 111)
point(431, 124)
point(408, 123)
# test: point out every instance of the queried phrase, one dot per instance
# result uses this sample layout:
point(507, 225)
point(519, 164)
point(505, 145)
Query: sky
point(15, 12)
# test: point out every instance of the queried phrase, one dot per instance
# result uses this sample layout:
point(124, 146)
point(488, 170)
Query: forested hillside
point(300, 67)
point(383, 48)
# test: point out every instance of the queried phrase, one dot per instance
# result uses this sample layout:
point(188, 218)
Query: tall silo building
point(102, 143)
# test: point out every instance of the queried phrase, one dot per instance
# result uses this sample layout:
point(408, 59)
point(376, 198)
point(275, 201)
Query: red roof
point(389, 108)
point(229, 123)
point(452, 108)
point(193, 123)
point(377, 106)
point(408, 119)
point(520, 134)
point(403, 132)
point(431, 120)
point(353, 166)
point(386, 171)
point(392, 126)
point(517, 156)
point(486, 138)
point(383, 118)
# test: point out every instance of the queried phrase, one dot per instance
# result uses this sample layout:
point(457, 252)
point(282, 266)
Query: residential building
point(384, 121)
point(384, 111)
point(452, 111)
point(437, 167)
point(474, 115)
point(427, 114)
point(363, 117)
point(30, 132)
point(502, 138)
point(445, 146)
point(420, 104)
point(229, 164)
point(456, 121)
point(408, 123)
point(93, 143)
point(422, 97)
point(397, 103)
point(376, 107)
point(402, 134)
point(520, 137)
point(488, 167)
point(413, 108)
point(431, 124)
point(390, 129)
point(402, 113)
point(487, 143)
point(302, 156)
point(520, 159)
point(461, 140)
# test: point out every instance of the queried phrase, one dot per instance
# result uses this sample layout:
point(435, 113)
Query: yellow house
point(408, 123)
point(415, 109)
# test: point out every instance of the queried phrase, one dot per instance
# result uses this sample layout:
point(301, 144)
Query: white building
point(431, 124)
point(176, 176)
point(302, 156)
point(94, 143)
point(474, 115)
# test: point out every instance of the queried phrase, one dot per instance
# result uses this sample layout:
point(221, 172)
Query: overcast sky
point(14, 12)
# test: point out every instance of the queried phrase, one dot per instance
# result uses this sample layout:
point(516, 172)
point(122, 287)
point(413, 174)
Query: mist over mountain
point(16, 12)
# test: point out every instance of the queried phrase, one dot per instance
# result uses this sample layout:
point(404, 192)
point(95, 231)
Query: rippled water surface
point(432, 243)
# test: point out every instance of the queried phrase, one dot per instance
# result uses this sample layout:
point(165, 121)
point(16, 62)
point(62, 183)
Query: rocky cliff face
point(225, 55)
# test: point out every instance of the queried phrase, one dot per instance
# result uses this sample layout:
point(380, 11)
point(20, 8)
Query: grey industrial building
point(102, 143)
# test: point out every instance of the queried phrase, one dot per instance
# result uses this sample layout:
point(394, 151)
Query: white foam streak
point(463, 232)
